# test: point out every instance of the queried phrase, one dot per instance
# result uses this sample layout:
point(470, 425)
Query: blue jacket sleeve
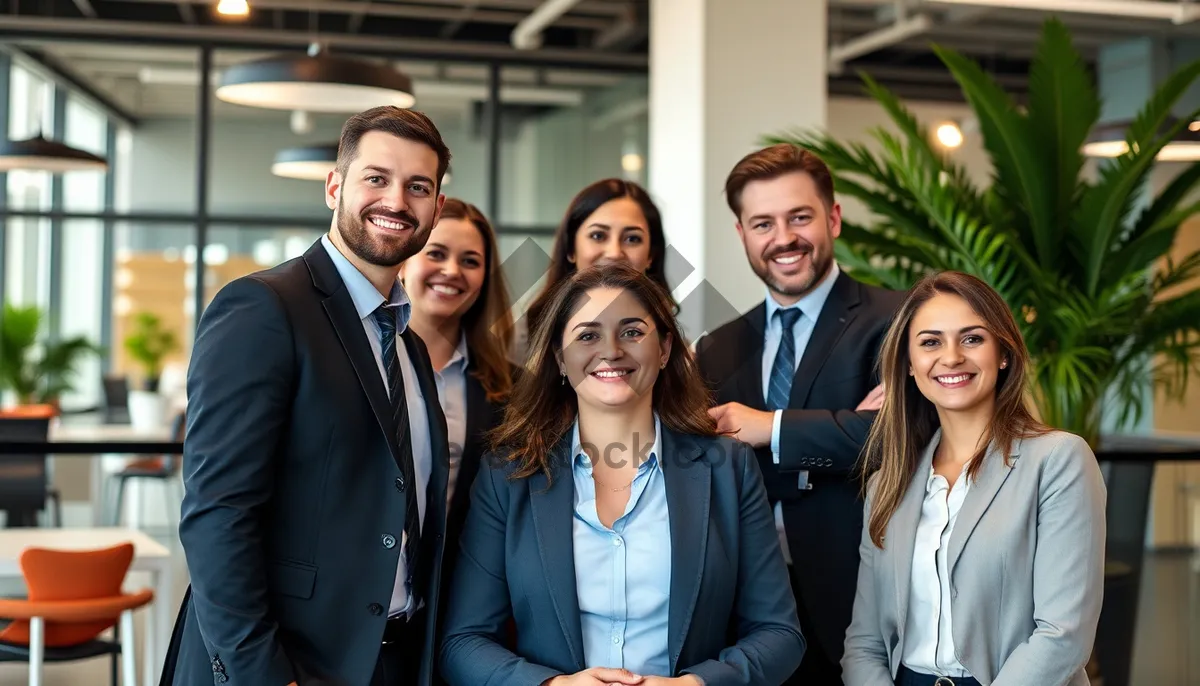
point(478, 605)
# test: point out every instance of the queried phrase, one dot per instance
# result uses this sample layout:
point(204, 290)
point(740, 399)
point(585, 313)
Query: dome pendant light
point(39, 154)
point(310, 163)
point(318, 82)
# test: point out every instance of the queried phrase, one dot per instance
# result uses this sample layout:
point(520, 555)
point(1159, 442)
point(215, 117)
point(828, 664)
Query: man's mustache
point(796, 244)
point(400, 216)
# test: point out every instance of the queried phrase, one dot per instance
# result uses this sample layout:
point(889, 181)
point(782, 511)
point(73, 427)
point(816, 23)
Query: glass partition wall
point(190, 201)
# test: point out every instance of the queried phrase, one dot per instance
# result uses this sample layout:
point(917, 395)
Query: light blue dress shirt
point(366, 300)
point(452, 391)
point(623, 574)
point(810, 307)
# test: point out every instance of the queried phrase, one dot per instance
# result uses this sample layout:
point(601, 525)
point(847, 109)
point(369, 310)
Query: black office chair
point(24, 479)
point(116, 400)
point(163, 469)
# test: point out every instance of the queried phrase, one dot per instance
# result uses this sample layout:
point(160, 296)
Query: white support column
point(722, 75)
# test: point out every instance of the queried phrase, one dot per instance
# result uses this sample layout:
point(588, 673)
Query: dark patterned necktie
point(784, 368)
point(385, 317)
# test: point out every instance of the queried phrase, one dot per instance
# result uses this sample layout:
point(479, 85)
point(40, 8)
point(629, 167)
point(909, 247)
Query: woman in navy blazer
point(629, 542)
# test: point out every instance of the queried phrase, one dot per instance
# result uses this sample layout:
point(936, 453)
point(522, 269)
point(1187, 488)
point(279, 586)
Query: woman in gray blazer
point(623, 538)
point(982, 557)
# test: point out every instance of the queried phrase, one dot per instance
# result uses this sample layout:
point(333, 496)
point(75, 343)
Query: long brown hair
point(907, 421)
point(542, 409)
point(489, 322)
point(583, 205)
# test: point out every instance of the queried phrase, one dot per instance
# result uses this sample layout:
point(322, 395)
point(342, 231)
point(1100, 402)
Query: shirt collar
point(366, 298)
point(653, 458)
point(461, 353)
point(812, 302)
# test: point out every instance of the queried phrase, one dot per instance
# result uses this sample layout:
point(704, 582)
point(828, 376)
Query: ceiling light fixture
point(233, 8)
point(317, 82)
point(949, 135)
point(309, 163)
point(40, 154)
point(1108, 140)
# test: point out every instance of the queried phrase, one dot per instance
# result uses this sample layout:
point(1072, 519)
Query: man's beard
point(383, 251)
point(820, 266)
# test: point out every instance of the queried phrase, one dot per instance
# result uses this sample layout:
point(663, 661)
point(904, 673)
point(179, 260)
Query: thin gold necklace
point(614, 490)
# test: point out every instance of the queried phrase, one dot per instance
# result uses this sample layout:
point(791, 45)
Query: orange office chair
point(73, 597)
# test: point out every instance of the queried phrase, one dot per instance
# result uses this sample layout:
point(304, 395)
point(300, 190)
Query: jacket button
point(389, 541)
point(375, 609)
point(400, 484)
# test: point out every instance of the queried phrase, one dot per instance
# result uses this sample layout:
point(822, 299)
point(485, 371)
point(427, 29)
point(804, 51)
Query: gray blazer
point(732, 617)
point(1026, 564)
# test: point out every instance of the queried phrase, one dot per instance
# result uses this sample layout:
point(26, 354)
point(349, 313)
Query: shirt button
point(400, 484)
point(389, 541)
point(616, 640)
point(375, 609)
point(617, 540)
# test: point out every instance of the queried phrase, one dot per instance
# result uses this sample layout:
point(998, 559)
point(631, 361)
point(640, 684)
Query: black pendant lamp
point(317, 82)
point(311, 163)
point(39, 154)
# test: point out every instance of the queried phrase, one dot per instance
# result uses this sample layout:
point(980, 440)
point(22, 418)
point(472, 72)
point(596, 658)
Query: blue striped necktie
point(784, 368)
point(385, 317)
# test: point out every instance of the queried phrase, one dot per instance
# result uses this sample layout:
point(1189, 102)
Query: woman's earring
point(564, 378)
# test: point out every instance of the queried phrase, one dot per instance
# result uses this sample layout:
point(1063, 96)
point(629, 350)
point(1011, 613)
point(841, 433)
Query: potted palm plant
point(148, 343)
point(1106, 311)
point(37, 372)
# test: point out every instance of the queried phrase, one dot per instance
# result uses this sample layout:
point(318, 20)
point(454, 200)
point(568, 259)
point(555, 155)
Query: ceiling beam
point(149, 33)
point(398, 11)
point(85, 7)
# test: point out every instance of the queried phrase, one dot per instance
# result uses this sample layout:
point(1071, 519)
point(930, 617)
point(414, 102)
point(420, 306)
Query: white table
point(148, 556)
point(88, 433)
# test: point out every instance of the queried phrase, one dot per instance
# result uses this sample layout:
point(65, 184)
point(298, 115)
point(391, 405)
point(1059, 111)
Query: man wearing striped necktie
point(317, 457)
point(795, 378)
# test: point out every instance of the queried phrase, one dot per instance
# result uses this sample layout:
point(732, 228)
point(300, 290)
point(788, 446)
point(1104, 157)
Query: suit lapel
point(553, 513)
point(991, 477)
point(438, 433)
point(836, 315)
point(479, 413)
point(901, 535)
point(749, 379)
point(339, 306)
point(688, 493)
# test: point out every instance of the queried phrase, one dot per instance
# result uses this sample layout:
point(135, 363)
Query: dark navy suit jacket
point(294, 501)
point(732, 617)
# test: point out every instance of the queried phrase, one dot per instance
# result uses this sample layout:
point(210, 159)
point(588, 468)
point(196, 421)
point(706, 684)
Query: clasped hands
point(754, 426)
point(603, 676)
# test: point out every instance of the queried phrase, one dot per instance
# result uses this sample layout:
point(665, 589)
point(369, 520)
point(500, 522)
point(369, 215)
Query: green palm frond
point(1107, 314)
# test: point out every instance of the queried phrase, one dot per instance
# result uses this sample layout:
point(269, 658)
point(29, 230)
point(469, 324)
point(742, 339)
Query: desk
point(99, 439)
point(148, 556)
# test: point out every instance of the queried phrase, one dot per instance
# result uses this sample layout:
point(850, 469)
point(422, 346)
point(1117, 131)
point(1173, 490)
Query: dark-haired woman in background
point(460, 309)
point(982, 558)
point(625, 537)
point(611, 220)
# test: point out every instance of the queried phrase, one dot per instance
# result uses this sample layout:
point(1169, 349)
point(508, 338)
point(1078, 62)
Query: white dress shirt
point(928, 636)
point(366, 300)
point(810, 307)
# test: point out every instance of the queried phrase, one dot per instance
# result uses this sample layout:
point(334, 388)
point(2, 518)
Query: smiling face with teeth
point(954, 358)
point(612, 351)
point(788, 233)
point(445, 279)
point(387, 201)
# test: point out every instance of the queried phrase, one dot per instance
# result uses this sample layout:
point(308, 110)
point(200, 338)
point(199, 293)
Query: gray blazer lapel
point(687, 483)
point(902, 531)
point(991, 477)
point(553, 512)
